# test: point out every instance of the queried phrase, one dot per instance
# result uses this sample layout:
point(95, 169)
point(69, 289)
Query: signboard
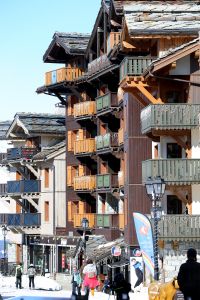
point(116, 251)
point(145, 239)
point(63, 260)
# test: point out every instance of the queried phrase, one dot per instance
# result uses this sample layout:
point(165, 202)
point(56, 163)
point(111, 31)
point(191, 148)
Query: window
point(46, 211)
point(174, 150)
point(174, 205)
point(46, 178)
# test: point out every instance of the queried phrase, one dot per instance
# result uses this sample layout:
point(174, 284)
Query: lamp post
point(85, 225)
point(4, 232)
point(155, 189)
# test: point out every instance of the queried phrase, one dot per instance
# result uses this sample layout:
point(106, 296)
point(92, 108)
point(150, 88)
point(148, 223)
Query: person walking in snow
point(18, 276)
point(90, 281)
point(76, 282)
point(31, 275)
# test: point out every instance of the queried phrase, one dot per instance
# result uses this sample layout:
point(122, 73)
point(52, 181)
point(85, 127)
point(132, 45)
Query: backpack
point(19, 272)
point(91, 274)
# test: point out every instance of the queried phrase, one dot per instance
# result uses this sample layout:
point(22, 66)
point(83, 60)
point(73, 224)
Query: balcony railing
point(106, 102)
point(23, 186)
point(112, 40)
point(173, 171)
point(78, 218)
point(86, 146)
point(110, 221)
point(107, 181)
point(21, 220)
point(85, 183)
point(3, 189)
point(134, 66)
point(180, 227)
point(170, 116)
point(2, 157)
point(62, 74)
point(121, 178)
point(107, 141)
point(121, 136)
point(84, 109)
point(21, 153)
point(98, 64)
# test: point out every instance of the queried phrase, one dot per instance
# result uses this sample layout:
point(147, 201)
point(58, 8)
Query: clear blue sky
point(26, 30)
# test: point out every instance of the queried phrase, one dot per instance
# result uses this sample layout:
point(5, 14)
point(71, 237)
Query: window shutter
point(69, 175)
point(69, 211)
point(81, 170)
point(81, 207)
point(70, 141)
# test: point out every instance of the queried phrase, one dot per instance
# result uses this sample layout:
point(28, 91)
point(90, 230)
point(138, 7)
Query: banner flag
point(145, 239)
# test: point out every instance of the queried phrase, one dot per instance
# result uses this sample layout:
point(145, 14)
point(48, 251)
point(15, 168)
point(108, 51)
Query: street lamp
point(155, 189)
point(85, 225)
point(4, 232)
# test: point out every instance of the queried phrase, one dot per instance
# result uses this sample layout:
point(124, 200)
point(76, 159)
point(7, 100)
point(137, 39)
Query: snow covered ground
point(49, 289)
point(41, 282)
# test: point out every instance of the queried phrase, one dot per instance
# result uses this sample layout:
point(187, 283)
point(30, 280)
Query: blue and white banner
point(145, 239)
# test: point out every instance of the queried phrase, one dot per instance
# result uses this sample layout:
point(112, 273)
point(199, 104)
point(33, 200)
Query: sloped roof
point(4, 125)
point(162, 17)
point(119, 5)
point(50, 151)
point(33, 124)
point(173, 54)
point(64, 45)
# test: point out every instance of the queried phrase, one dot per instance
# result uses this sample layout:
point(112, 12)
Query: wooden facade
point(109, 125)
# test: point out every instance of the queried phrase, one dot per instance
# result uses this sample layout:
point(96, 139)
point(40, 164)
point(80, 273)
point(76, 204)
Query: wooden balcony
point(109, 221)
point(78, 218)
point(121, 136)
point(134, 66)
point(170, 117)
point(121, 178)
point(112, 40)
point(23, 186)
point(62, 74)
point(107, 181)
point(106, 142)
point(85, 183)
point(106, 103)
point(21, 220)
point(98, 64)
point(179, 227)
point(84, 147)
point(173, 171)
point(84, 110)
point(21, 153)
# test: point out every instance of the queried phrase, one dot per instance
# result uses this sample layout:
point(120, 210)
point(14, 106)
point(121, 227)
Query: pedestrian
point(76, 282)
point(31, 275)
point(90, 281)
point(18, 276)
point(138, 271)
point(121, 287)
point(189, 276)
point(106, 285)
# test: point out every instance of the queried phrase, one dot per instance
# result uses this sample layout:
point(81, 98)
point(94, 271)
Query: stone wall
point(174, 254)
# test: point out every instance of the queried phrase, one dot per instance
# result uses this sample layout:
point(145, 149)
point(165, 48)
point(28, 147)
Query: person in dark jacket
point(18, 275)
point(189, 276)
point(121, 287)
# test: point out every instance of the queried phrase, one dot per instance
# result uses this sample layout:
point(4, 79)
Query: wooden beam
point(142, 88)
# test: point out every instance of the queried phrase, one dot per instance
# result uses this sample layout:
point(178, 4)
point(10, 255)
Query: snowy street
point(46, 288)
